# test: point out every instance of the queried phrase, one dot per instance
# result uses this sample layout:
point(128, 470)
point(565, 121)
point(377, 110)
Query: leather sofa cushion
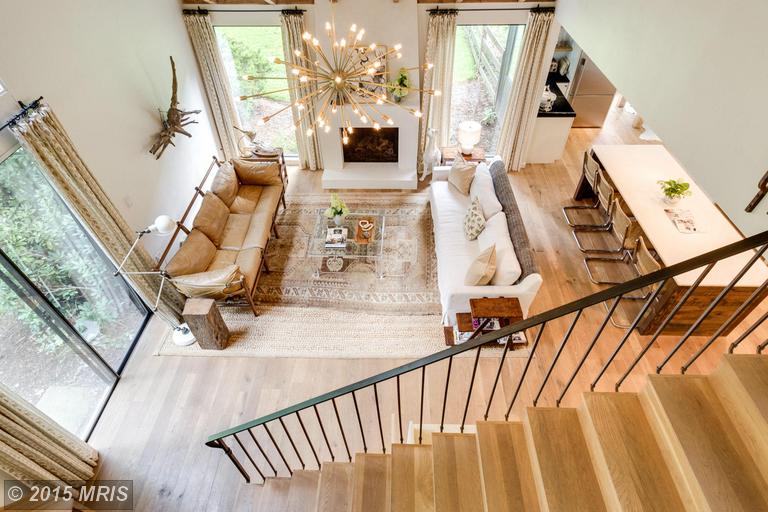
point(212, 217)
point(195, 255)
point(261, 221)
point(257, 173)
point(222, 258)
point(234, 231)
point(247, 198)
point(210, 284)
point(225, 184)
point(249, 261)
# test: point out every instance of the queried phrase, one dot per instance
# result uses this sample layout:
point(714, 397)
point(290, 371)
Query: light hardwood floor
point(160, 414)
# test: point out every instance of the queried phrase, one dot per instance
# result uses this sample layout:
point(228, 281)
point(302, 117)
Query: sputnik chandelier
point(353, 75)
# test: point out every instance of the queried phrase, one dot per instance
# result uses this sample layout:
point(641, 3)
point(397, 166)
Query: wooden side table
point(506, 310)
point(448, 155)
point(205, 322)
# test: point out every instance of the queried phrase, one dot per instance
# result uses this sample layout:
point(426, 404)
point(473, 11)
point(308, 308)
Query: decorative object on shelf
point(547, 100)
point(174, 121)
point(351, 75)
point(163, 225)
point(468, 135)
point(337, 210)
point(674, 190)
point(553, 66)
point(762, 186)
point(432, 154)
point(399, 87)
point(563, 65)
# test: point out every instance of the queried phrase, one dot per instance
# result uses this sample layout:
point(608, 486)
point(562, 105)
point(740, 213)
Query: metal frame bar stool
point(590, 169)
point(606, 194)
point(622, 234)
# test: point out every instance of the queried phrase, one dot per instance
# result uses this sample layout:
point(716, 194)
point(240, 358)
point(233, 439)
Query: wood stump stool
point(205, 322)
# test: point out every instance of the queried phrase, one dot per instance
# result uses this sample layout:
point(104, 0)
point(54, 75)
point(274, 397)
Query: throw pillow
point(482, 188)
point(496, 234)
point(257, 173)
point(474, 222)
point(194, 255)
point(212, 217)
point(461, 175)
point(481, 270)
point(225, 183)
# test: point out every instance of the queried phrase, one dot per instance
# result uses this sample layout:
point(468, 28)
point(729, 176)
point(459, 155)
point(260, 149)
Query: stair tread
point(566, 479)
point(303, 490)
point(709, 451)
point(631, 463)
point(274, 494)
point(334, 493)
point(505, 467)
point(371, 483)
point(456, 473)
point(412, 488)
point(752, 371)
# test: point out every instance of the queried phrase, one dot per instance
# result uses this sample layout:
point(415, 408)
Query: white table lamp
point(468, 135)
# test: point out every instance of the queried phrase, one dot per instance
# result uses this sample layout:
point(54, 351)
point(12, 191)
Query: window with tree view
point(484, 65)
point(250, 51)
point(68, 321)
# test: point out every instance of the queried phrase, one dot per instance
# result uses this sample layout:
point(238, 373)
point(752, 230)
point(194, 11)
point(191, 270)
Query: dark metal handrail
point(476, 341)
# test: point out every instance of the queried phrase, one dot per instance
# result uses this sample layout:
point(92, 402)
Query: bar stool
point(590, 169)
point(605, 201)
point(621, 235)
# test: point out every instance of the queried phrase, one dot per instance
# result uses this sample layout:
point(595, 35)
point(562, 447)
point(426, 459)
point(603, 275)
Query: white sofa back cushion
point(482, 189)
point(496, 232)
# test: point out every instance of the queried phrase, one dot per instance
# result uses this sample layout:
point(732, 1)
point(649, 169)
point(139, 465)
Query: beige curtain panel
point(436, 110)
point(527, 88)
point(41, 133)
point(215, 81)
point(309, 148)
point(33, 447)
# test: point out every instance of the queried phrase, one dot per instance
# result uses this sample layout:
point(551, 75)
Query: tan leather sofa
point(223, 254)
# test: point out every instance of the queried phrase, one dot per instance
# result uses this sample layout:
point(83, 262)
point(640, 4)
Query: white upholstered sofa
point(455, 253)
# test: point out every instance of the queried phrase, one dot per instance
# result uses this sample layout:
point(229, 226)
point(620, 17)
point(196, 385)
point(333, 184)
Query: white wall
point(103, 66)
point(696, 72)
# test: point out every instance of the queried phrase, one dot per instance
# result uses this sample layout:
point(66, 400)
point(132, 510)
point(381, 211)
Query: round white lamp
point(163, 225)
point(468, 134)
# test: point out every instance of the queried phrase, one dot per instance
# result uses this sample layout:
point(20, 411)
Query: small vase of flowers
point(400, 87)
point(674, 190)
point(337, 210)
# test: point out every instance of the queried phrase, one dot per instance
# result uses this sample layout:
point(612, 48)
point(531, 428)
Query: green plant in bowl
point(399, 88)
point(674, 190)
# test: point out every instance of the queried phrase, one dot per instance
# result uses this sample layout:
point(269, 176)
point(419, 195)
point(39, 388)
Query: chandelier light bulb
point(328, 26)
point(417, 113)
point(353, 28)
point(437, 93)
point(337, 79)
point(371, 71)
point(376, 126)
point(373, 46)
point(355, 111)
point(430, 65)
point(315, 42)
point(295, 72)
point(363, 119)
point(350, 129)
point(297, 52)
point(343, 42)
point(399, 55)
point(345, 140)
point(398, 47)
point(310, 131)
point(303, 78)
point(379, 101)
point(390, 122)
point(327, 128)
point(360, 34)
point(333, 109)
point(306, 36)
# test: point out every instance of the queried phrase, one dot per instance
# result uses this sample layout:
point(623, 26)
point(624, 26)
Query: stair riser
point(598, 460)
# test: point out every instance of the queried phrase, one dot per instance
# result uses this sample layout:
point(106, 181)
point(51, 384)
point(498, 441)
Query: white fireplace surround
point(371, 175)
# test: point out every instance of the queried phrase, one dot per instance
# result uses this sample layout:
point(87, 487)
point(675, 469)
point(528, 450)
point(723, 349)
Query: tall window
point(69, 323)
point(251, 51)
point(484, 65)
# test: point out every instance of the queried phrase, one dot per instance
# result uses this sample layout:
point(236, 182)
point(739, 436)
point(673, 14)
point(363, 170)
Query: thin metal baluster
point(290, 439)
point(360, 423)
point(378, 416)
point(263, 453)
point(247, 454)
point(279, 451)
point(762, 346)
point(664, 324)
point(322, 429)
point(341, 429)
point(589, 348)
point(557, 355)
point(627, 334)
point(445, 394)
point(309, 441)
point(233, 459)
point(744, 305)
point(525, 370)
point(399, 410)
point(496, 380)
point(421, 402)
point(475, 334)
point(746, 333)
point(712, 305)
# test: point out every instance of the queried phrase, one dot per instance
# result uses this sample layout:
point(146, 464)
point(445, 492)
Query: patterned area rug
point(410, 285)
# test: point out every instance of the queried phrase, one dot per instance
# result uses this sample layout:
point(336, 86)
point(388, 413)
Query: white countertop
point(636, 170)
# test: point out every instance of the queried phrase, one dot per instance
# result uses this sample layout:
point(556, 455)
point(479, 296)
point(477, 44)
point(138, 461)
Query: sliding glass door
point(70, 323)
point(485, 61)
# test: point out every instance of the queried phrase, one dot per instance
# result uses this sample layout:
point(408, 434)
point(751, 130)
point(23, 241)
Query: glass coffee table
point(359, 247)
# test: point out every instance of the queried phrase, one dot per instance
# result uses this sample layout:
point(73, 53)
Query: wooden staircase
point(686, 442)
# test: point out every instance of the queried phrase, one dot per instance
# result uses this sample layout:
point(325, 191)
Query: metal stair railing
point(611, 297)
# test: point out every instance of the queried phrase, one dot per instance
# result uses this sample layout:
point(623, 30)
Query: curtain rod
point(203, 12)
point(21, 113)
point(538, 8)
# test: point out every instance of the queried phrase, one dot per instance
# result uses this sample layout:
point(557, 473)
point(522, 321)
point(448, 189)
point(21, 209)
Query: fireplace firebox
point(370, 145)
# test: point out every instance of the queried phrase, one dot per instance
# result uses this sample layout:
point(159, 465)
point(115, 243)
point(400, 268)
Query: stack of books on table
point(336, 238)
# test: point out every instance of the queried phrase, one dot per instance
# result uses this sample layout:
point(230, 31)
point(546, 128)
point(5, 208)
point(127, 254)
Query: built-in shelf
point(563, 48)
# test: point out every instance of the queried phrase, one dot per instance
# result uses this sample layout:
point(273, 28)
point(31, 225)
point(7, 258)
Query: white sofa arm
point(458, 299)
point(440, 172)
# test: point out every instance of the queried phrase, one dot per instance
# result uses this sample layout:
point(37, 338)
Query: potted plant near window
point(674, 190)
point(399, 87)
point(337, 210)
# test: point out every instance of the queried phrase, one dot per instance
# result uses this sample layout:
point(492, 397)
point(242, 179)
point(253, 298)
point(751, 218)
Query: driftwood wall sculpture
point(174, 122)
